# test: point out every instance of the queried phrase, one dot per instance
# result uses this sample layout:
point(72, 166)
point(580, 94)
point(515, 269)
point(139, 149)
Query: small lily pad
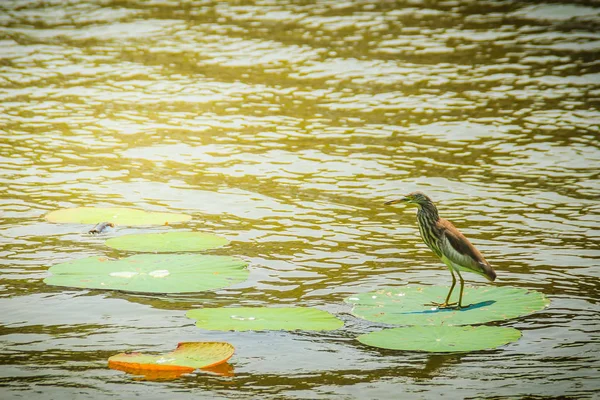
point(264, 318)
point(187, 357)
point(167, 242)
point(405, 305)
point(441, 339)
point(116, 215)
point(151, 273)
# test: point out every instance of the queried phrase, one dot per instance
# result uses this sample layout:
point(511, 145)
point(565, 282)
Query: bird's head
point(418, 198)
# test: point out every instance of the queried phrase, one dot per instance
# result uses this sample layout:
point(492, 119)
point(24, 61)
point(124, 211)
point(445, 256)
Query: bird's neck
point(429, 210)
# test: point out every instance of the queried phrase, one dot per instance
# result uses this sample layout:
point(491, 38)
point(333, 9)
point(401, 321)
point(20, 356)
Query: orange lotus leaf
point(187, 357)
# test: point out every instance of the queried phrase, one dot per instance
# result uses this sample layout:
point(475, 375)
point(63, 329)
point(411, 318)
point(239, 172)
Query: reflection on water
point(284, 126)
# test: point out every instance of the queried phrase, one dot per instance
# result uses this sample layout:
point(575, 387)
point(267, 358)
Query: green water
point(284, 126)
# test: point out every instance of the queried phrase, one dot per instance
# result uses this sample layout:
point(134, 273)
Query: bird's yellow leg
point(445, 304)
point(462, 286)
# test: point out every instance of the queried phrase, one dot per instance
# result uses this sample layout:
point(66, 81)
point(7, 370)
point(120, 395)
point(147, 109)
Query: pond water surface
point(284, 126)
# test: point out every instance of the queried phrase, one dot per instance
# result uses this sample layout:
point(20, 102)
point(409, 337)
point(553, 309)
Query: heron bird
point(451, 246)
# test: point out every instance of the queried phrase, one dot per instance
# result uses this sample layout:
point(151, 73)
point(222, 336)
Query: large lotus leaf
point(405, 305)
point(441, 339)
point(259, 318)
point(167, 242)
point(116, 215)
point(185, 358)
point(151, 273)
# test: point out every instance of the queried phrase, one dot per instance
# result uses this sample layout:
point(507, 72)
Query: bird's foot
point(460, 306)
point(441, 305)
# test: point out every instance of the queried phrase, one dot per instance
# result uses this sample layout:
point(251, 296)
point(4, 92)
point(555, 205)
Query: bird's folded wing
point(457, 248)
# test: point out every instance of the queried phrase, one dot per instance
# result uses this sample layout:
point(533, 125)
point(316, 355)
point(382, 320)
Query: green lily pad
point(186, 357)
point(151, 273)
point(405, 305)
point(167, 242)
point(264, 318)
point(116, 215)
point(441, 339)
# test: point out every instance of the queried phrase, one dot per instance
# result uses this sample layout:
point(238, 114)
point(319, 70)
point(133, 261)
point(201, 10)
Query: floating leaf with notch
point(187, 357)
point(441, 339)
point(405, 305)
point(264, 318)
point(116, 215)
point(167, 242)
point(151, 273)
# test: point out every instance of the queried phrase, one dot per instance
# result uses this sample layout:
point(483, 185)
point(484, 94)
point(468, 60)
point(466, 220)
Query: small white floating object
point(434, 308)
point(373, 297)
point(163, 360)
point(353, 299)
point(159, 273)
point(242, 318)
point(124, 274)
point(401, 294)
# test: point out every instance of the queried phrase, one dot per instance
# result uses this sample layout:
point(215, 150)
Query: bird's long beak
point(402, 200)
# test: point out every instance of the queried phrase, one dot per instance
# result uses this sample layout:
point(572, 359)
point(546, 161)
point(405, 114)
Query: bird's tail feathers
point(488, 272)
